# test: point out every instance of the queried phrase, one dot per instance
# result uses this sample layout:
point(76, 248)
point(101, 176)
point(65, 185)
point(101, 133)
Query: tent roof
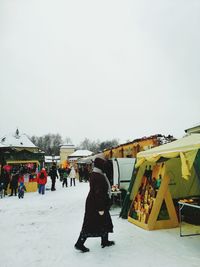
point(187, 143)
point(186, 148)
point(81, 153)
point(91, 158)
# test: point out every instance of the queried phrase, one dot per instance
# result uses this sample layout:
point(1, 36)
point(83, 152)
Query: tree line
point(50, 143)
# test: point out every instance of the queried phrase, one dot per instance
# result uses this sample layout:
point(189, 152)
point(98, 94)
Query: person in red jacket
point(42, 180)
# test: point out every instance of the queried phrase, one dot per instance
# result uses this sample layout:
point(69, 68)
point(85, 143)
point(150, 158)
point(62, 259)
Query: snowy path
point(40, 231)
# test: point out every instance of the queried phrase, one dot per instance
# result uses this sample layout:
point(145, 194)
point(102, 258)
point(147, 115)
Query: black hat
point(99, 163)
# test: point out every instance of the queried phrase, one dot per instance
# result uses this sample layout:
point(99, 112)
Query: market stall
point(30, 169)
point(19, 154)
point(165, 175)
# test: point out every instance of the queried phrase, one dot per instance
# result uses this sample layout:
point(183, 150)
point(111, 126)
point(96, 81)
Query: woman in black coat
point(6, 180)
point(14, 183)
point(97, 220)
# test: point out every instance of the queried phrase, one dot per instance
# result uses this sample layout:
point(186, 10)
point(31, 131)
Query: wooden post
point(158, 202)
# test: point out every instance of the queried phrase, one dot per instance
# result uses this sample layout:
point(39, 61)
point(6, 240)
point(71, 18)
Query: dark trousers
point(53, 182)
point(5, 188)
point(65, 182)
point(72, 179)
point(41, 189)
point(20, 193)
point(13, 190)
point(81, 240)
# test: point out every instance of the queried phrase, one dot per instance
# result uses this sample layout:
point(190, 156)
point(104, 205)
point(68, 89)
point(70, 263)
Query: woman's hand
point(101, 212)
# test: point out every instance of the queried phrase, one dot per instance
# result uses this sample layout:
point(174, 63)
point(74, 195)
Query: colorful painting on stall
point(145, 198)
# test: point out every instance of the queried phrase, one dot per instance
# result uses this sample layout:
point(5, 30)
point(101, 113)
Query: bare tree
point(49, 143)
point(89, 145)
point(68, 140)
point(97, 146)
point(108, 144)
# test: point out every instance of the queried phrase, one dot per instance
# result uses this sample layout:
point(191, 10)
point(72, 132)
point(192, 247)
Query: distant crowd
point(12, 180)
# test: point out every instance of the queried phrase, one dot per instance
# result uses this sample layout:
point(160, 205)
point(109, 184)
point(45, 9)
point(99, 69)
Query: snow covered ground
point(40, 231)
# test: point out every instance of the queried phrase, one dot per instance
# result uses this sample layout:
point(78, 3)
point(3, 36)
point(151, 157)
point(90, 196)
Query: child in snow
point(65, 175)
point(21, 190)
point(42, 180)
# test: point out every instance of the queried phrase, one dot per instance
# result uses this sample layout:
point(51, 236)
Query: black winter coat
point(97, 200)
point(14, 181)
point(53, 173)
point(6, 180)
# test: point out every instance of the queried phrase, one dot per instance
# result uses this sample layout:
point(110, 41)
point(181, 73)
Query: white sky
point(99, 69)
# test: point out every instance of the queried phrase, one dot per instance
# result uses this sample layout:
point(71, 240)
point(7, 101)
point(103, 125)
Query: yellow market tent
point(165, 174)
point(186, 147)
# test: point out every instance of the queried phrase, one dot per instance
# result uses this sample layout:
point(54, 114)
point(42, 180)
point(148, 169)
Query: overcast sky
point(99, 69)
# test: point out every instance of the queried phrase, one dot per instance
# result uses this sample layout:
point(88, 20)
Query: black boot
point(108, 244)
point(80, 244)
point(105, 242)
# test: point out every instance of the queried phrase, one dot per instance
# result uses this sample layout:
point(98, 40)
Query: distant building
point(130, 149)
point(194, 129)
point(65, 151)
point(78, 154)
point(18, 148)
point(52, 159)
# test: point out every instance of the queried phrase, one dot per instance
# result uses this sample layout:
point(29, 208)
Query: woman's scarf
point(95, 169)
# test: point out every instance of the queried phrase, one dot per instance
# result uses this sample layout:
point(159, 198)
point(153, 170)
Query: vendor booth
point(30, 169)
point(18, 153)
point(165, 176)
